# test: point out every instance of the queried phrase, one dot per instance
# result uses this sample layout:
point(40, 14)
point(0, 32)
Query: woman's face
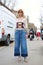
point(20, 14)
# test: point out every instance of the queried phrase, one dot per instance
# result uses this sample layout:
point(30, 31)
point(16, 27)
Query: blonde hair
point(21, 11)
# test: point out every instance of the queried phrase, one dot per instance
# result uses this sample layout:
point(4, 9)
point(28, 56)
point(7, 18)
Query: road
point(35, 54)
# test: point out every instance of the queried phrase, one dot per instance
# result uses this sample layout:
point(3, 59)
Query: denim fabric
point(20, 43)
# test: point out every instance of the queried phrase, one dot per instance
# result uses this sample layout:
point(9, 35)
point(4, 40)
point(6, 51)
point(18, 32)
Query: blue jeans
point(20, 43)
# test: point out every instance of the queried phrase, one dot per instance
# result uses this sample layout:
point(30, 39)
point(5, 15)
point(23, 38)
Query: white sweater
point(24, 20)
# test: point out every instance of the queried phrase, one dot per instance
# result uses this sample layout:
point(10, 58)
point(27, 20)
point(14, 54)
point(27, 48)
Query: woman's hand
point(26, 35)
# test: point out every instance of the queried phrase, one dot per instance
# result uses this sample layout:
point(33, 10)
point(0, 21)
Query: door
point(0, 30)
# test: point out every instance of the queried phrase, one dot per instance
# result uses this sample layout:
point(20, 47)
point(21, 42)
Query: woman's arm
point(26, 27)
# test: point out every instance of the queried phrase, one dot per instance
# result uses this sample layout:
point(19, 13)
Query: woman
point(20, 37)
point(38, 34)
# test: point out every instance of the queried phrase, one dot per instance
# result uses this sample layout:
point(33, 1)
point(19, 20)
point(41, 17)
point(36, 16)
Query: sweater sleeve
point(26, 25)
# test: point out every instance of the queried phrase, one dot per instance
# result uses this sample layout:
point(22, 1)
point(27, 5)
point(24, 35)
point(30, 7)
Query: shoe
point(25, 60)
point(19, 58)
